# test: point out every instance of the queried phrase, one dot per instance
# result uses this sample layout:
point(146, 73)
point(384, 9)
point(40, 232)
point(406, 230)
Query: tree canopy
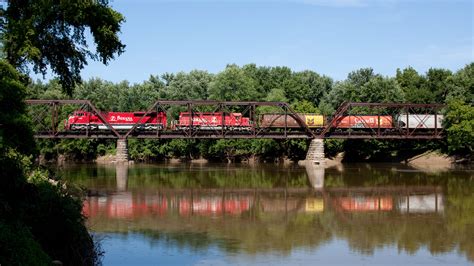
point(52, 33)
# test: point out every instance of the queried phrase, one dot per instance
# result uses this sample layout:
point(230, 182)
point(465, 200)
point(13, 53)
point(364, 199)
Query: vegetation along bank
point(306, 91)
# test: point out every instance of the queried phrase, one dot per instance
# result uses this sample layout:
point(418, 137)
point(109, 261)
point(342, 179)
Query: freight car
point(213, 121)
point(364, 121)
point(420, 121)
point(280, 120)
point(82, 120)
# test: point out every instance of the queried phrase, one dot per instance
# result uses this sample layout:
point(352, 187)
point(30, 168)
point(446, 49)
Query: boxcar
point(213, 121)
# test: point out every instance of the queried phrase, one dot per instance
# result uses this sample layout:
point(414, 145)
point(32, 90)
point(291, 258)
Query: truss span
point(271, 120)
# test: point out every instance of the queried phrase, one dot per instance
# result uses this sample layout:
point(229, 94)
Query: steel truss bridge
point(48, 121)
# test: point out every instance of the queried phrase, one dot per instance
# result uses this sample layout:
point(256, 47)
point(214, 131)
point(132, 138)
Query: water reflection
point(203, 202)
point(121, 176)
point(269, 209)
point(315, 175)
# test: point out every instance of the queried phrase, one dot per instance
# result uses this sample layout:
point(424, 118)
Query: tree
point(307, 85)
point(192, 85)
point(36, 212)
point(268, 78)
point(52, 33)
point(413, 86)
point(361, 76)
point(15, 131)
point(461, 85)
point(233, 84)
point(105, 95)
point(437, 82)
point(459, 123)
point(363, 86)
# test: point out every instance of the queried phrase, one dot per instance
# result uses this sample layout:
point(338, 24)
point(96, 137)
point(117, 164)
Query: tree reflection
point(264, 210)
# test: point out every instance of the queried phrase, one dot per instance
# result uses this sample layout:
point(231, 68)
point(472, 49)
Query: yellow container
point(314, 205)
point(314, 120)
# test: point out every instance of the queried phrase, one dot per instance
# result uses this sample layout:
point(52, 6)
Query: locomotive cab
point(79, 113)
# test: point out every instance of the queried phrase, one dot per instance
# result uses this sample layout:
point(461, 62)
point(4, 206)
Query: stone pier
point(315, 155)
point(121, 153)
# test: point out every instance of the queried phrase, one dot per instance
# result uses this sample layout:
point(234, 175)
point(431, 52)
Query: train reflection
point(124, 204)
point(184, 203)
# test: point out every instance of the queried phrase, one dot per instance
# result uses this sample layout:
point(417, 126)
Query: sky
point(330, 37)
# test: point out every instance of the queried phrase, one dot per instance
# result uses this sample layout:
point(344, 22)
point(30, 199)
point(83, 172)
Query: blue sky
point(331, 37)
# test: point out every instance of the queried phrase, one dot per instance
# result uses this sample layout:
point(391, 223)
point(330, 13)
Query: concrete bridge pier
point(121, 153)
point(315, 155)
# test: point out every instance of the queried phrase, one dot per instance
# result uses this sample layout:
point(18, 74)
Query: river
point(215, 214)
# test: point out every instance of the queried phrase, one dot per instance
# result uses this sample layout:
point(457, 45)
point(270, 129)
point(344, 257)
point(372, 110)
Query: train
point(83, 120)
point(212, 121)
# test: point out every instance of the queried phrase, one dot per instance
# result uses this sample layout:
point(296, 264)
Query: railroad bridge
point(273, 120)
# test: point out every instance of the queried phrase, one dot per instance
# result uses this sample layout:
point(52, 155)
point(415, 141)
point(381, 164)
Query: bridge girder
point(52, 127)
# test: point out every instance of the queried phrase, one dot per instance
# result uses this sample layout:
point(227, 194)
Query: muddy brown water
point(213, 214)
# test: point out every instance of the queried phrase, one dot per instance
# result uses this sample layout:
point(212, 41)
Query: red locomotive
point(82, 120)
point(213, 121)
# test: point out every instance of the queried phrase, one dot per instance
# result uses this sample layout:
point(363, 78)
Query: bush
point(18, 246)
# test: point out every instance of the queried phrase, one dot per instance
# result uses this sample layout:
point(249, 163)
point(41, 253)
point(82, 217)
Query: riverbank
point(428, 161)
point(432, 161)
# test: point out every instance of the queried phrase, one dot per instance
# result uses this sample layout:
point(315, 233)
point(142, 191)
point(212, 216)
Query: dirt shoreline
point(429, 161)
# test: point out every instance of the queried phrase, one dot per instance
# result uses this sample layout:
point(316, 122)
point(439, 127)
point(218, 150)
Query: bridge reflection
point(217, 202)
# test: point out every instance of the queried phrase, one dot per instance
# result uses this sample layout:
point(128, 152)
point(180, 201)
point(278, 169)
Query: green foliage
point(232, 84)
point(46, 213)
point(56, 220)
point(41, 219)
point(333, 146)
point(363, 86)
point(296, 149)
point(459, 123)
point(305, 106)
point(52, 33)
point(45, 220)
point(79, 149)
point(18, 246)
point(308, 86)
point(437, 82)
point(413, 86)
point(192, 85)
point(15, 128)
point(232, 150)
point(461, 85)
